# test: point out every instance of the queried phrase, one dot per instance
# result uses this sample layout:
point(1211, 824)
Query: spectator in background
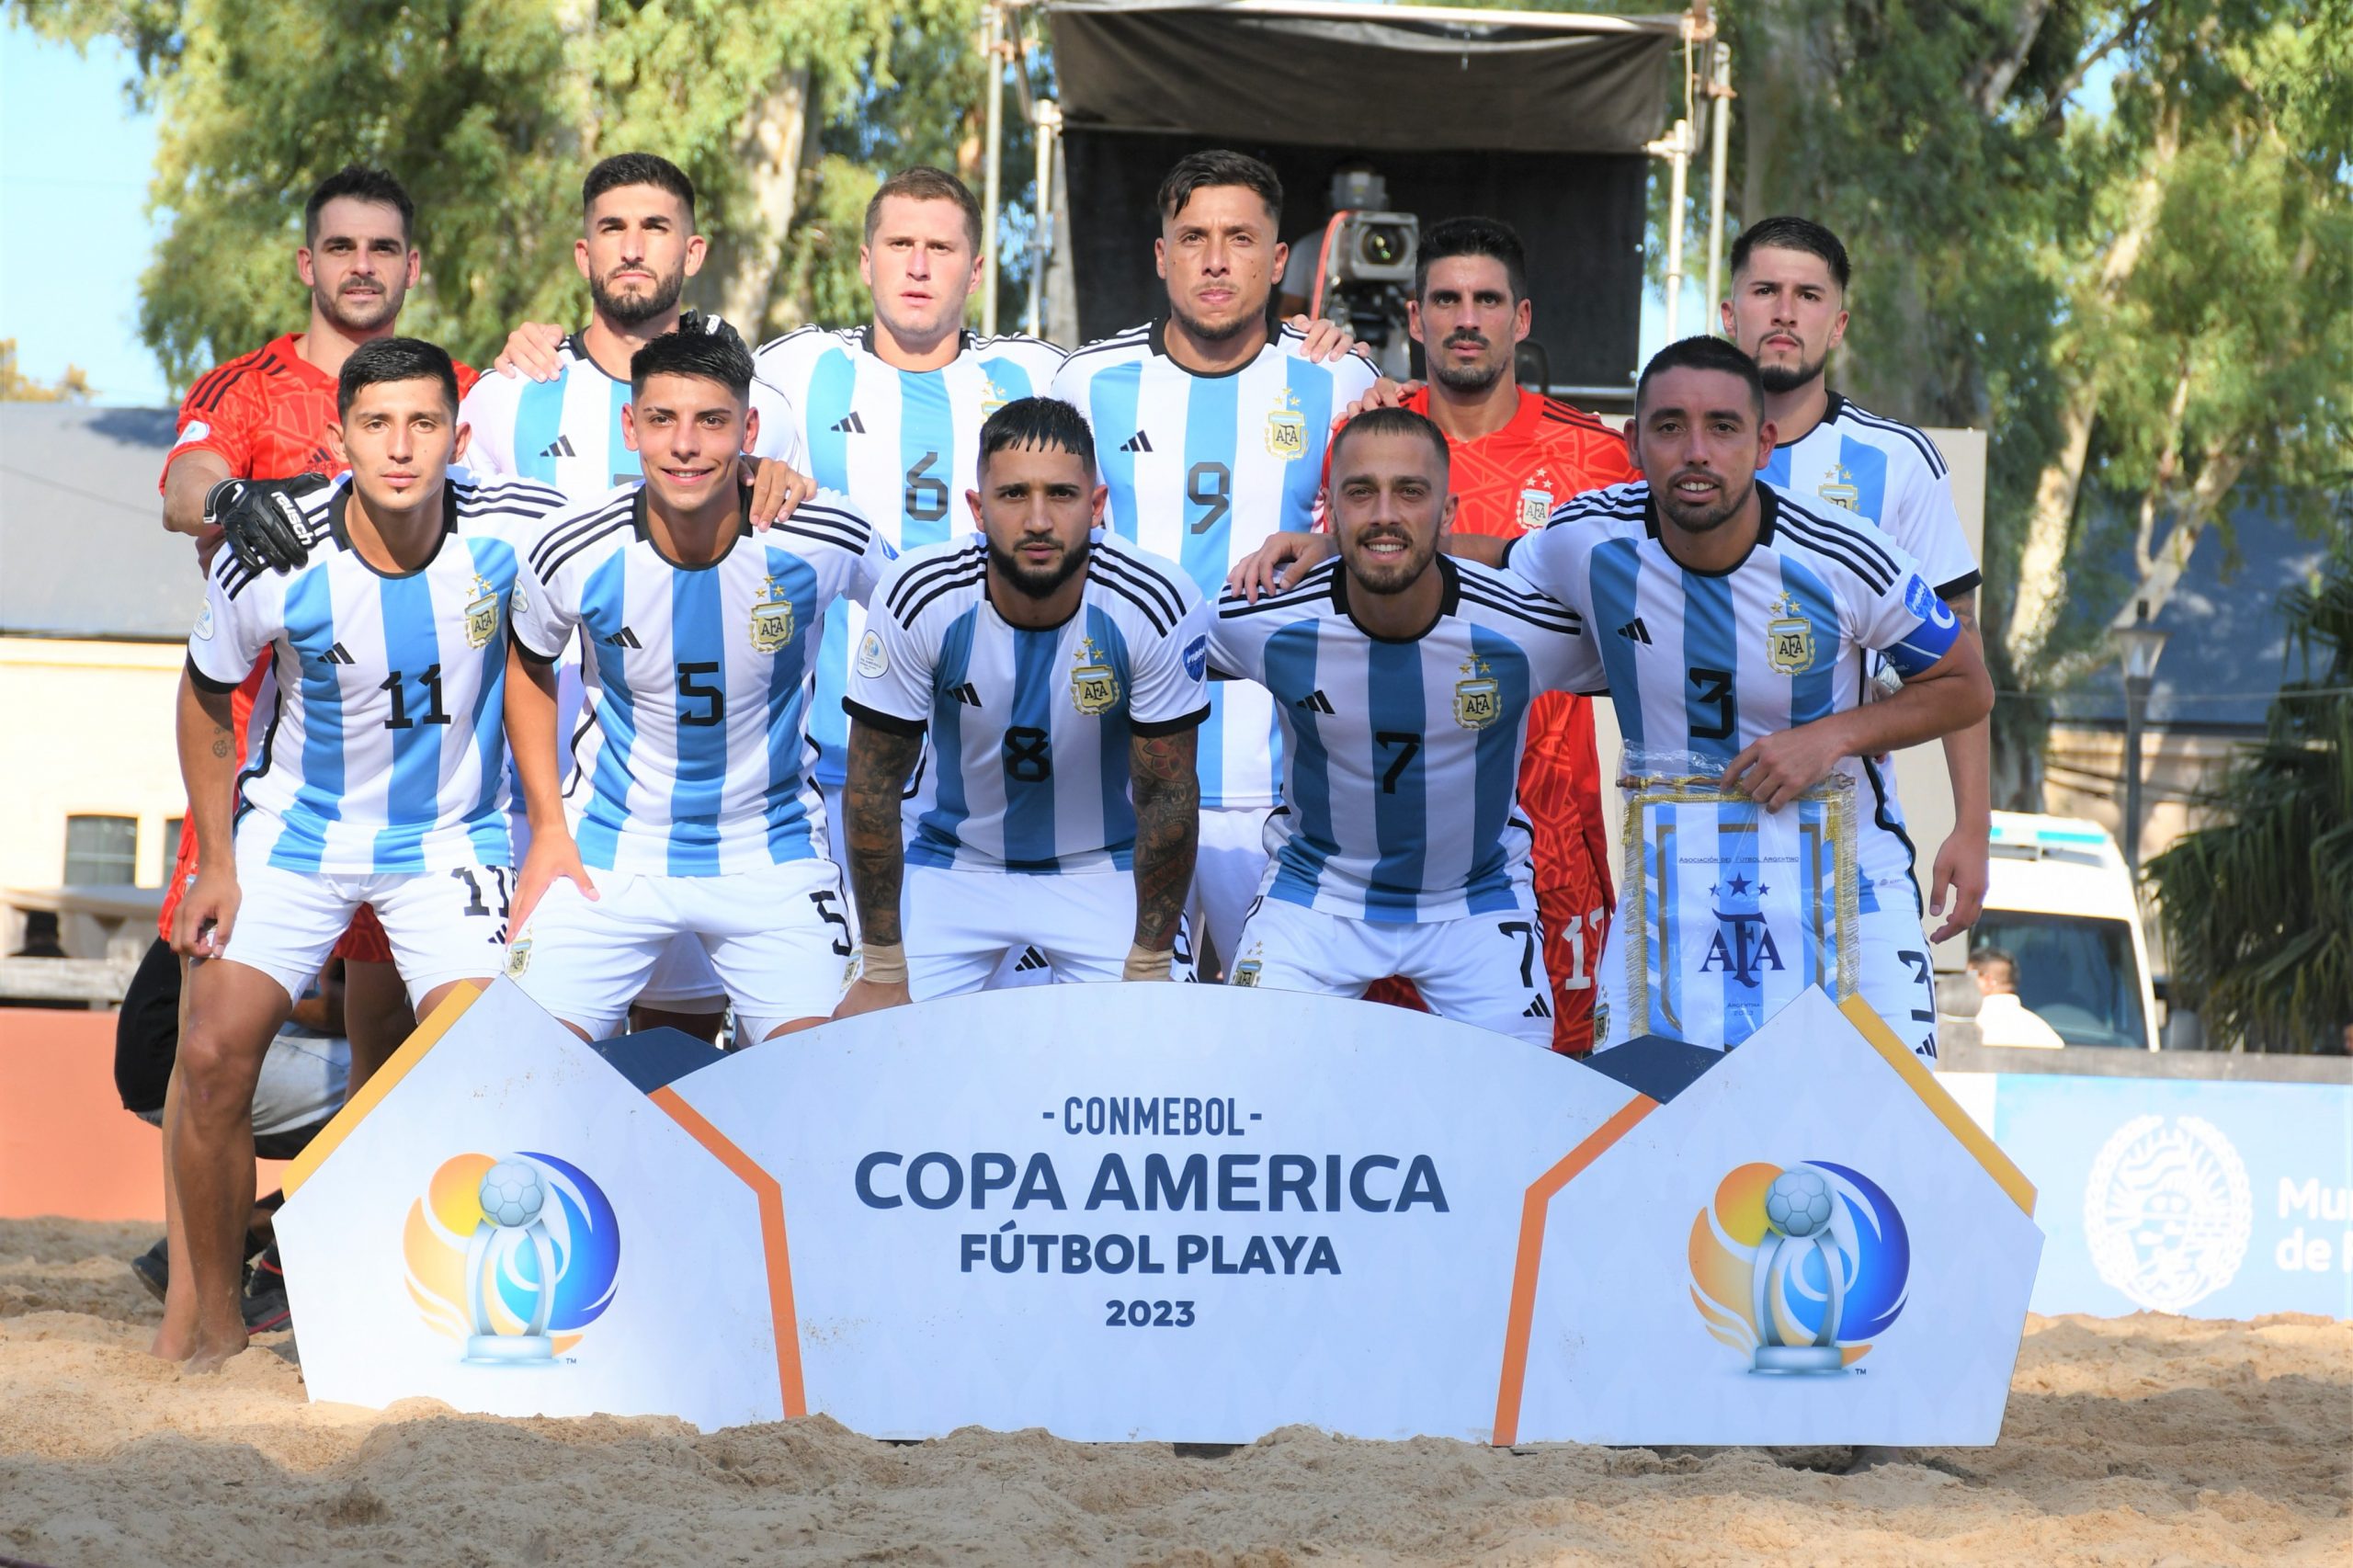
point(2002, 1019)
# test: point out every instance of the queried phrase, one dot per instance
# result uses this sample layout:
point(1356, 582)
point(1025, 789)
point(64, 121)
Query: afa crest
point(481, 615)
point(1789, 637)
point(1535, 509)
point(992, 396)
point(1094, 685)
point(1287, 428)
point(771, 619)
point(1839, 489)
point(1478, 696)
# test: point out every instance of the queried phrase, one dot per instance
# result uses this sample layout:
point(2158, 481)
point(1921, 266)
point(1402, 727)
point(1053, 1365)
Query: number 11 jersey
point(904, 445)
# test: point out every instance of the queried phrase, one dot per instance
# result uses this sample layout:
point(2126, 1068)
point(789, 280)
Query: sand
point(2143, 1440)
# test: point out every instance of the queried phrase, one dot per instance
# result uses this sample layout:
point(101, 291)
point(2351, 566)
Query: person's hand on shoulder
point(531, 351)
point(1263, 571)
point(261, 519)
point(1326, 339)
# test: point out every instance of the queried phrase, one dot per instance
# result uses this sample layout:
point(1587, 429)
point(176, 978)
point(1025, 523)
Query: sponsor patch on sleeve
point(1196, 657)
point(204, 625)
point(193, 430)
point(873, 659)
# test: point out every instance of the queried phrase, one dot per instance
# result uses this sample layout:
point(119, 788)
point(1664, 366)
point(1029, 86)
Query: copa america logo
point(1800, 1268)
point(516, 1256)
point(2167, 1211)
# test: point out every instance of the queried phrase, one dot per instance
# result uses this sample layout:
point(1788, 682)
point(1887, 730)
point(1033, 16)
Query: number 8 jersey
point(381, 752)
point(903, 444)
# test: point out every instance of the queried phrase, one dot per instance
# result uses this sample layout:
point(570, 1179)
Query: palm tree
point(2258, 910)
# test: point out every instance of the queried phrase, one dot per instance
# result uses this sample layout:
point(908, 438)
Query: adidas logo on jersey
point(1635, 632)
point(1138, 442)
point(966, 695)
point(1031, 959)
point(849, 425)
point(558, 448)
point(338, 655)
point(1537, 1009)
point(624, 637)
point(1314, 702)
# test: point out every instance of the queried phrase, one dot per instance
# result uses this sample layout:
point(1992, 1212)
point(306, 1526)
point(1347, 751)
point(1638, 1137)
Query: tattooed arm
point(208, 767)
point(879, 761)
point(1963, 864)
point(1169, 825)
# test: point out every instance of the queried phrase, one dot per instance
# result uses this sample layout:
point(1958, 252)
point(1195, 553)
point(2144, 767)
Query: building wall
point(2182, 776)
point(90, 730)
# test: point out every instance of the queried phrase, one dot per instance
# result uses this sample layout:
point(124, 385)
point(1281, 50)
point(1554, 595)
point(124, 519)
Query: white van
point(2060, 901)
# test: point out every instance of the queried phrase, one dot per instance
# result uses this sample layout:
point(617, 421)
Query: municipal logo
point(1286, 428)
point(1798, 1268)
point(204, 624)
point(1789, 637)
point(1094, 685)
point(515, 1256)
point(2167, 1211)
point(771, 619)
point(482, 616)
point(872, 657)
point(1478, 696)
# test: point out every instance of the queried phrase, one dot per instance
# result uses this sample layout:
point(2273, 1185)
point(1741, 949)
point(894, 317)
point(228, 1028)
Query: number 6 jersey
point(694, 759)
point(380, 750)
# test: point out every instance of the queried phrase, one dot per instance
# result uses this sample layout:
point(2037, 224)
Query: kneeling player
point(1059, 673)
point(377, 779)
point(696, 815)
point(1402, 679)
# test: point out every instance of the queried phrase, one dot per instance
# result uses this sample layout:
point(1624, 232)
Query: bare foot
point(211, 1355)
point(171, 1343)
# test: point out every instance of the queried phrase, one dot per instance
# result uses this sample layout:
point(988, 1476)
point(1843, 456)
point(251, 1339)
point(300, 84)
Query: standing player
point(265, 416)
point(1404, 682)
point(639, 245)
point(1212, 431)
point(698, 818)
point(377, 781)
point(1787, 310)
point(1059, 673)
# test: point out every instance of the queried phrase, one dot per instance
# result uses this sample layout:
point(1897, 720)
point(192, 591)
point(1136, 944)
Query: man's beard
point(358, 314)
point(1466, 377)
point(1201, 331)
point(1399, 576)
point(1034, 585)
point(1779, 379)
point(1727, 505)
point(636, 310)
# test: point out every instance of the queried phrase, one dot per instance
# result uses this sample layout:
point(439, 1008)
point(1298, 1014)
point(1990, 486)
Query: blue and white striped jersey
point(904, 445)
point(1401, 761)
point(695, 760)
point(1201, 469)
point(383, 749)
point(1703, 664)
point(567, 432)
point(1028, 769)
point(1887, 473)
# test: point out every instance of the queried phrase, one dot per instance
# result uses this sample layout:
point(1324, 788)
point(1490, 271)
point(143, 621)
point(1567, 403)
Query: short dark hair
point(381, 359)
point(1791, 234)
point(1991, 955)
point(1703, 353)
point(924, 183)
point(1393, 422)
point(359, 183)
point(638, 168)
point(1038, 421)
point(1473, 236)
point(1201, 171)
point(702, 345)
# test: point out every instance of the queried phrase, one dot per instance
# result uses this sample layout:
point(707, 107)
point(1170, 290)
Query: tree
point(491, 110)
point(2258, 910)
point(74, 386)
point(2149, 305)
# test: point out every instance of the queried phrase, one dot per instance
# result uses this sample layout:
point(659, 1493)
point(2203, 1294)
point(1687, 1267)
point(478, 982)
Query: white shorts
point(1227, 869)
point(1482, 970)
point(684, 981)
point(1892, 975)
point(443, 926)
point(777, 936)
point(967, 931)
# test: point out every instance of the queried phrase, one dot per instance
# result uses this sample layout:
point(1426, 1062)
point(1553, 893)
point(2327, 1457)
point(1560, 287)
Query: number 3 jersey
point(694, 759)
point(1029, 769)
point(381, 750)
point(1401, 758)
point(904, 445)
point(1703, 664)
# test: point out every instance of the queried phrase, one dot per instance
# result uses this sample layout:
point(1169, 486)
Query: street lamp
point(2137, 645)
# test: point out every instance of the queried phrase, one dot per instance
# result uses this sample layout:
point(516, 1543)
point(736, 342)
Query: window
point(172, 828)
point(101, 850)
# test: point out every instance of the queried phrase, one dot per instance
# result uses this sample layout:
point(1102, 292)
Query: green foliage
point(2258, 911)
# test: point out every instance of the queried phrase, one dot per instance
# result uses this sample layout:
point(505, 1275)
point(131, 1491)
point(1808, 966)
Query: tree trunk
point(740, 281)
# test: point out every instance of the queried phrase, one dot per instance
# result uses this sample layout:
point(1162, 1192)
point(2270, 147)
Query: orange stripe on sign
point(1522, 1322)
point(1940, 1103)
point(381, 1082)
point(771, 1196)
